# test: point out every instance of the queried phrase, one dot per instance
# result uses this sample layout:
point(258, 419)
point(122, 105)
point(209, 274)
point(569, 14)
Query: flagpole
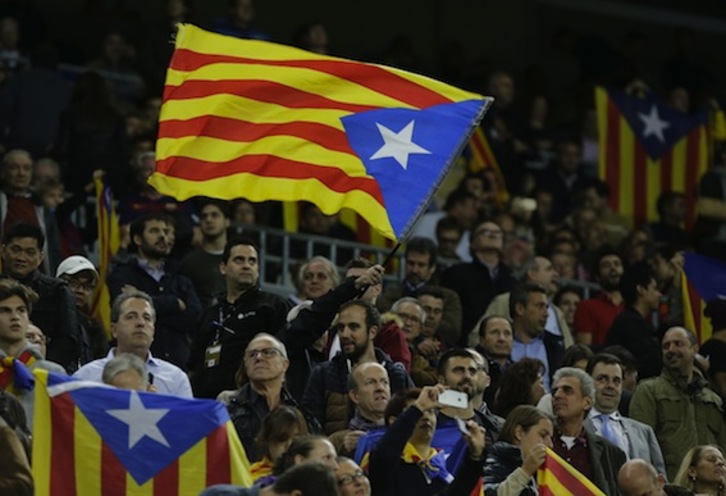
point(388, 258)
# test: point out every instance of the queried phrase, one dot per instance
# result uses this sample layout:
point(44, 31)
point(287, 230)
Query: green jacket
point(682, 415)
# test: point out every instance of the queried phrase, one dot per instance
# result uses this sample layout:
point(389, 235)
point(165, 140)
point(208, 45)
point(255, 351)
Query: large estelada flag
point(90, 439)
point(253, 119)
point(109, 241)
point(646, 148)
point(556, 477)
point(703, 279)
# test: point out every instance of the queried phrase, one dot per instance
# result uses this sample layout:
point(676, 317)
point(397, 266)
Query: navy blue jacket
point(174, 328)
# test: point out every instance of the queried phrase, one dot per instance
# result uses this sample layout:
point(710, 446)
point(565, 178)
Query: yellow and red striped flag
point(109, 241)
point(556, 477)
point(482, 158)
point(93, 440)
point(703, 279)
point(646, 148)
point(253, 119)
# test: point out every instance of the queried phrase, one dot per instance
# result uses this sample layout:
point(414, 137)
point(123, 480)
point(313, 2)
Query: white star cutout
point(141, 421)
point(654, 125)
point(398, 145)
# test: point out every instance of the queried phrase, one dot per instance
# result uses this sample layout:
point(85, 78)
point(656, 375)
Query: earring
point(692, 480)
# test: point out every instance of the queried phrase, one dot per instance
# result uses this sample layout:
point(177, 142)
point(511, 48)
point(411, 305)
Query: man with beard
point(481, 384)
point(528, 307)
point(679, 404)
point(369, 391)
point(636, 439)
point(326, 395)
point(594, 316)
point(458, 370)
point(151, 271)
point(495, 345)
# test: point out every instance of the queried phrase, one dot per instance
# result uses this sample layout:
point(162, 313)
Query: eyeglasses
point(84, 285)
point(350, 478)
point(266, 353)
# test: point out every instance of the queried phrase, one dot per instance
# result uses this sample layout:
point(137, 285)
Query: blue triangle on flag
point(707, 275)
point(147, 431)
point(409, 151)
point(651, 119)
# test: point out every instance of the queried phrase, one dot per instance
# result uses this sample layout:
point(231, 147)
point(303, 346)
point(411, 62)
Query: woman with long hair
point(279, 428)
point(703, 470)
point(520, 384)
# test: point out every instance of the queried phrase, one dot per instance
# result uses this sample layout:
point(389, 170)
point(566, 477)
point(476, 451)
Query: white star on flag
point(654, 125)
point(141, 421)
point(398, 146)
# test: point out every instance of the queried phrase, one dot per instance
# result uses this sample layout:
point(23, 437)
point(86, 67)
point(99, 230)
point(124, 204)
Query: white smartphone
point(454, 398)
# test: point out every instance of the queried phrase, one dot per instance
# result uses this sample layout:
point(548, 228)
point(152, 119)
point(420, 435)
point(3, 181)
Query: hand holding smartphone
point(453, 398)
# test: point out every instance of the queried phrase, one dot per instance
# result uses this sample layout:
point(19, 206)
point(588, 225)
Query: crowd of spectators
point(558, 317)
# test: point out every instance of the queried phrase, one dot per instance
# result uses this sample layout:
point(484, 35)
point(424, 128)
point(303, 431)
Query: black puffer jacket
point(247, 409)
point(502, 460)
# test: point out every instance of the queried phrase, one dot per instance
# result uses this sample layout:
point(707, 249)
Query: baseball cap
point(74, 265)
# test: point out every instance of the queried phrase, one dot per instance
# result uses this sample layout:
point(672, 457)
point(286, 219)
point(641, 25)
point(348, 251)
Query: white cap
point(74, 265)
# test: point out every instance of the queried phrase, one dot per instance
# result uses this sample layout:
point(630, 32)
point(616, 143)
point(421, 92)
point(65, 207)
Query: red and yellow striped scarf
point(262, 468)
point(12, 382)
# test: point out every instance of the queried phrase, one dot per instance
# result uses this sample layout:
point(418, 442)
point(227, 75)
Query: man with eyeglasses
point(133, 319)
point(479, 281)
point(227, 327)
point(265, 363)
point(421, 269)
point(55, 311)
point(81, 276)
point(635, 438)
point(413, 316)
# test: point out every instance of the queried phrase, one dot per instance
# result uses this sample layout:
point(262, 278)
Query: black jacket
point(305, 329)
point(476, 289)
point(637, 334)
point(253, 312)
point(174, 327)
point(55, 314)
point(503, 459)
point(232, 325)
point(390, 475)
point(247, 409)
point(326, 394)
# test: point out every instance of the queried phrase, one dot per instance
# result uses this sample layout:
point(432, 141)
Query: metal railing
point(282, 253)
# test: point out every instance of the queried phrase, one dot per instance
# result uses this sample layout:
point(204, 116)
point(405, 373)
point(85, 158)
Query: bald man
point(638, 477)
